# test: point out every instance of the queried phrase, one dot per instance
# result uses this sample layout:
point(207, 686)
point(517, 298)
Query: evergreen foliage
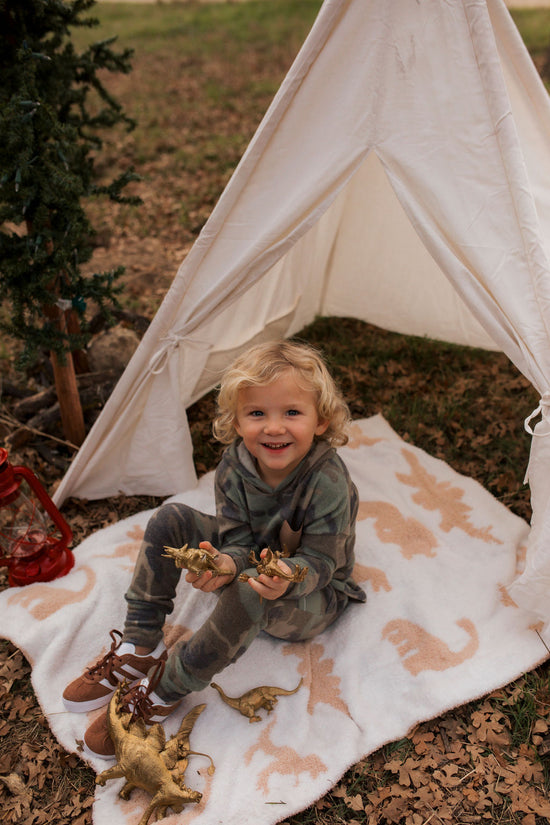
point(53, 111)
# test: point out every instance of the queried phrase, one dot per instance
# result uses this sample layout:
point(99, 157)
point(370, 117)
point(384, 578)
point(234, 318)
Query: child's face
point(278, 423)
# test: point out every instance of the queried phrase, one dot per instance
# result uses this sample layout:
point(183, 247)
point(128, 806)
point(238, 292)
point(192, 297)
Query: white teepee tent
point(400, 176)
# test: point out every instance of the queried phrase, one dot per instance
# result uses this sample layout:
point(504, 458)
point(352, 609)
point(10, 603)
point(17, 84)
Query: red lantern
point(34, 536)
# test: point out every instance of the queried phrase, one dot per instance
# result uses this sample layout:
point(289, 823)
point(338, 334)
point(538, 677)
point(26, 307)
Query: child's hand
point(269, 587)
point(207, 581)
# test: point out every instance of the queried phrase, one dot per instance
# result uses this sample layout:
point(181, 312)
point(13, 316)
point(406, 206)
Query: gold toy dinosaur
point(147, 761)
point(195, 560)
point(253, 700)
point(269, 567)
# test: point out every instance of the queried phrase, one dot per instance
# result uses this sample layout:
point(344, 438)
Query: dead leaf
point(490, 726)
point(529, 770)
point(410, 772)
point(448, 776)
point(355, 803)
point(15, 784)
point(528, 800)
point(396, 809)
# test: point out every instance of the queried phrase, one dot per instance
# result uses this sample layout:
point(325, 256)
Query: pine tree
point(50, 132)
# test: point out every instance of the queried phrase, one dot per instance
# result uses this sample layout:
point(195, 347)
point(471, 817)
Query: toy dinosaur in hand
point(195, 560)
point(269, 567)
point(147, 761)
point(253, 700)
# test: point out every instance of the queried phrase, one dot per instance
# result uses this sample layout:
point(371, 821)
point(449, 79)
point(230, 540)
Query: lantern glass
point(24, 526)
point(34, 536)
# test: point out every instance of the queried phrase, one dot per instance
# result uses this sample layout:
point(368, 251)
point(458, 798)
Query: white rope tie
point(543, 410)
point(171, 342)
point(158, 361)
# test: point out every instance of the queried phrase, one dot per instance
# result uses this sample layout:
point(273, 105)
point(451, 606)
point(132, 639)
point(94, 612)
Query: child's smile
point(278, 423)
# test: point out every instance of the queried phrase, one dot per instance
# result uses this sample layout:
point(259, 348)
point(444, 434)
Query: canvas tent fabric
point(400, 176)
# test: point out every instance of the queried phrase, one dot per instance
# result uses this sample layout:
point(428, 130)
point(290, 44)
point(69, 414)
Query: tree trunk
point(72, 417)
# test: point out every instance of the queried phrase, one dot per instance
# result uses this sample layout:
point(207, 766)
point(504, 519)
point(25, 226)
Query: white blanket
point(435, 553)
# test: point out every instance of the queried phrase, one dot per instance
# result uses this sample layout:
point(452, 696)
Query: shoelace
point(105, 665)
point(137, 701)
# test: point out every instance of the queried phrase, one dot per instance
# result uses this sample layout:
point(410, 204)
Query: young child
point(279, 485)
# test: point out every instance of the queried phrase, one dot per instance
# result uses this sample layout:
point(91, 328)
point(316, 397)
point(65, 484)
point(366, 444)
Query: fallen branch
point(33, 404)
point(10, 421)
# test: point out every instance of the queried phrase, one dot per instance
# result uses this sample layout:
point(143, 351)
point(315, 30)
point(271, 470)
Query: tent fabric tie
point(543, 409)
point(160, 358)
point(169, 343)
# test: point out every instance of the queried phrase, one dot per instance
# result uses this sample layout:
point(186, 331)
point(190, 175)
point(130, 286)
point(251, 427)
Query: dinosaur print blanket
point(435, 553)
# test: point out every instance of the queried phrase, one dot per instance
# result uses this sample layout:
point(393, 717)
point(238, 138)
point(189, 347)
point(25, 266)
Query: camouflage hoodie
point(311, 513)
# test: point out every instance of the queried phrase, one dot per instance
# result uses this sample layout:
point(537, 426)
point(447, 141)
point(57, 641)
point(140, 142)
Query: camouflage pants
point(238, 616)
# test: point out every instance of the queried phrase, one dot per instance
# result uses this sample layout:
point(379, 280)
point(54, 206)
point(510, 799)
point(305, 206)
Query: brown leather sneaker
point(95, 687)
point(141, 702)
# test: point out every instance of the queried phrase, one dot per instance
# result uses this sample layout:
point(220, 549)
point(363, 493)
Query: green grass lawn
point(209, 30)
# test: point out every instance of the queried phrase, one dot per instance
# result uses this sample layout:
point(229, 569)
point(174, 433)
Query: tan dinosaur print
point(130, 810)
point(505, 597)
point(136, 532)
point(357, 438)
point(420, 650)
point(538, 627)
point(440, 495)
point(189, 814)
point(285, 760)
point(129, 549)
point(376, 577)
point(521, 558)
point(50, 598)
point(324, 686)
point(393, 528)
point(43, 599)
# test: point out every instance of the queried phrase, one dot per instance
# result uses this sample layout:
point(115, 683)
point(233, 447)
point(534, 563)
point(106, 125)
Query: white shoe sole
point(94, 704)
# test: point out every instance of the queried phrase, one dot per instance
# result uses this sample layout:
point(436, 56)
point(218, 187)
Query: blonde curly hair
point(265, 363)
